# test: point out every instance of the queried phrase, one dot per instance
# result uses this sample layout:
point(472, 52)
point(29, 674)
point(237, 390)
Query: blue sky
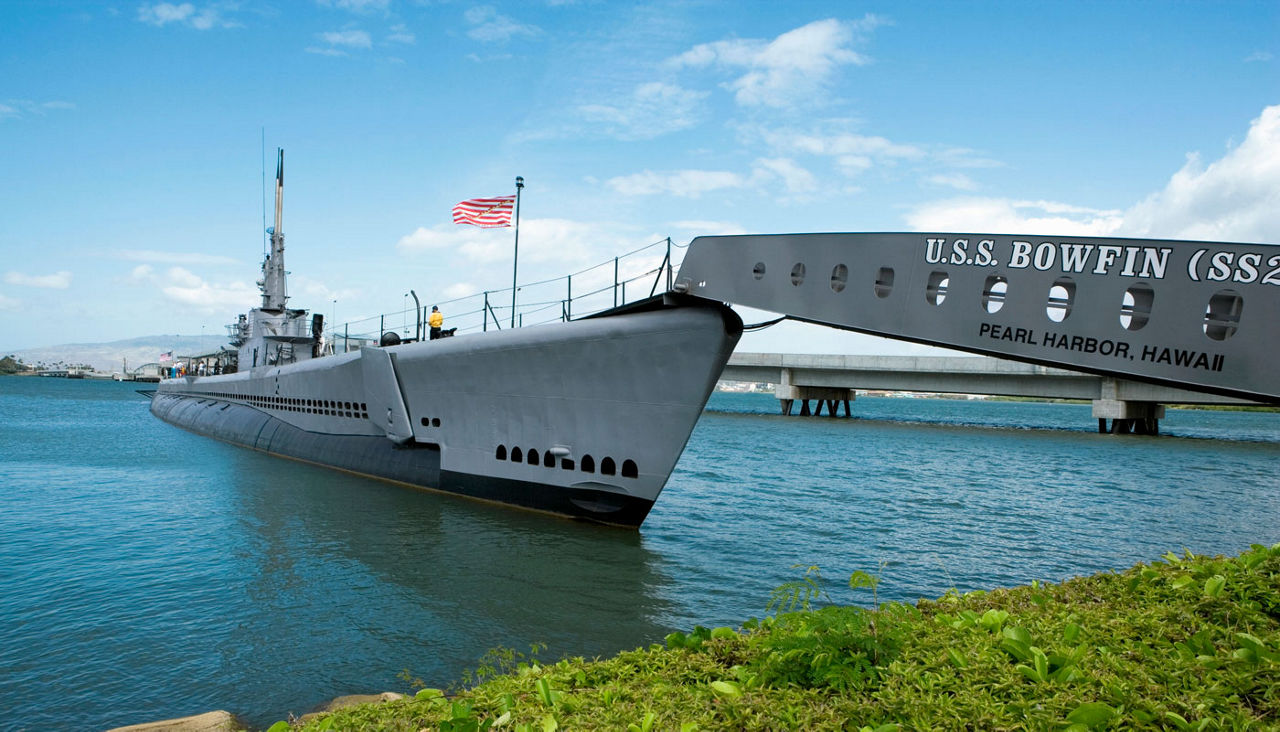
point(131, 138)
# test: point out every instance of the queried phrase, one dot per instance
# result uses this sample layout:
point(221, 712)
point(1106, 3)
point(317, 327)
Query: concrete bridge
point(1119, 405)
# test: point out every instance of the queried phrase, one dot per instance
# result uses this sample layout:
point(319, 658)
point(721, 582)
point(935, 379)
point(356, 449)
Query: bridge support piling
point(788, 393)
point(1128, 417)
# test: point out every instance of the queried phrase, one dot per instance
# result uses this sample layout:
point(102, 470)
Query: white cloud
point(838, 145)
point(708, 228)
point(400, 34)
point(325, 51)
point(685, 183)
point(316, 291)
point(1007, 216)
point(1258, 56)
point(187, 288)
point(488, 25)
point(562, 241)
point(9, 303)
point(161, 14)
point(1235, 198)
point(459, 290)
point(347, 38)
point(849, 153)
point(577, 240)
point(543, 240)
point(357, 6)
point(18, 108)
point(483, 245)
point(959, 181)
point(828, 148)
point(963, 157)
point(184, 286)
point(492, 58)
point(141, 274)
point(183, 278)
point(852, 166)
point(423, 238)
point(796, 179)
point(652, 109)
point(802, 159)
point(56, 281)
point(340, 42)
point(792, 68)
point(159, 257)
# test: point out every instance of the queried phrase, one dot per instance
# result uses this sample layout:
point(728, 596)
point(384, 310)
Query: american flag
point(166, 356)
point(487, 213)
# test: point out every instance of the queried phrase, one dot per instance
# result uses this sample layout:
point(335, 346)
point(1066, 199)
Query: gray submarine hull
point(584, 419)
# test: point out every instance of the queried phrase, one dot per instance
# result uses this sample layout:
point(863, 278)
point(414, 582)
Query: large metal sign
point(1198, 315)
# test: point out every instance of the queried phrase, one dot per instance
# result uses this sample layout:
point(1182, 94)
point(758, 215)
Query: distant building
point(744, 387)
point(149, 372)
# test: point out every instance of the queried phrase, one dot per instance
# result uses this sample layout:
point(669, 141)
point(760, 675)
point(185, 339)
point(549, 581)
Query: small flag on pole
point(487, 213)
point(166, 357)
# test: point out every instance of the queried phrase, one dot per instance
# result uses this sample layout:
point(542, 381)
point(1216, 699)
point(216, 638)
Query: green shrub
point(1185, 643)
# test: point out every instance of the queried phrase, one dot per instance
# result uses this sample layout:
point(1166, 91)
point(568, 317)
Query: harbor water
point(148, 572)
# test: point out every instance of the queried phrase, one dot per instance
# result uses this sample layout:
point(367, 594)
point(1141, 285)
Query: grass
point(1187, 642)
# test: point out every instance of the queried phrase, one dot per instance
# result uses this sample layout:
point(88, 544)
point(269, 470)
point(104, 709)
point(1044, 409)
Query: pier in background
point(1120, 406)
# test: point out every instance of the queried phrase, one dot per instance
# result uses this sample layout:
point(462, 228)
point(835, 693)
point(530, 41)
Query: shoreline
point(1182, 641)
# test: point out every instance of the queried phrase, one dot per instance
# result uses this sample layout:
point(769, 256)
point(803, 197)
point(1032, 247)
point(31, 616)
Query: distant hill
point(109, 357)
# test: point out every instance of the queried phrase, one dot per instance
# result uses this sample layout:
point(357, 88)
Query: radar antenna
point(274, 289)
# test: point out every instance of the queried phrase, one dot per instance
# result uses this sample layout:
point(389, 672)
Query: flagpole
point(515, 256)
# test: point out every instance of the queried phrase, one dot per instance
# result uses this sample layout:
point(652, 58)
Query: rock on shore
point(218, 721)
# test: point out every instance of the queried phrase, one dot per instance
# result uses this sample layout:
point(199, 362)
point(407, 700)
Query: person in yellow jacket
point(435, 321)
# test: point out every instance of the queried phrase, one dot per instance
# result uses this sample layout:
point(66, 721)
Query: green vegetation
point(1224, 407)
point(1040, 400)
point(1190, 642)
point(11, 365)
point(1199, 407)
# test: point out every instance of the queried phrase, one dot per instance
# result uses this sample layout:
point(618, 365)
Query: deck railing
point(635, 275)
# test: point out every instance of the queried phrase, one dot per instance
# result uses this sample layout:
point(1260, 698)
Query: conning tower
point(274, 334)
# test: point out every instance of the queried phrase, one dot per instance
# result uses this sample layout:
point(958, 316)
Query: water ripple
point(151, 573)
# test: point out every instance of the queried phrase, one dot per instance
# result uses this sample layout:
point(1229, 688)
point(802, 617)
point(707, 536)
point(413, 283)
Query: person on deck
point(435, 320)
